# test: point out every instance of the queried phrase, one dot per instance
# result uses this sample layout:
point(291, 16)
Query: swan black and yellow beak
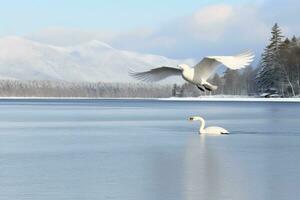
point(191, 119)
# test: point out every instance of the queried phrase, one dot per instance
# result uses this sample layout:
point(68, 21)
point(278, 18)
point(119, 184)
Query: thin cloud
point(213, 29)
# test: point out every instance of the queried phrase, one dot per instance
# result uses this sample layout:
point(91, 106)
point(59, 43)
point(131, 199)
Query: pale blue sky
point(22, 17)
point(172, 28)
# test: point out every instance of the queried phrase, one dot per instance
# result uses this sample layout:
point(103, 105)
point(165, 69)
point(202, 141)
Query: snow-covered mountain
point(93, 61)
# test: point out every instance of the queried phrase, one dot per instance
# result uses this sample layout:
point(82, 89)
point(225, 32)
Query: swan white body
point(212, 130)
point(200, 73)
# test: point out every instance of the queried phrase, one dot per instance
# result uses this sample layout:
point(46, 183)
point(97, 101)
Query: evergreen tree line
point(40, 88)
point(280, 65)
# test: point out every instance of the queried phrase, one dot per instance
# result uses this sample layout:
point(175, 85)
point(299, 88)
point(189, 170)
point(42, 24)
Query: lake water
point(148, 150)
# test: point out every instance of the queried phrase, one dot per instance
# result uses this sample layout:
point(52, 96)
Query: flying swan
point(200, 73)
point(212, 130)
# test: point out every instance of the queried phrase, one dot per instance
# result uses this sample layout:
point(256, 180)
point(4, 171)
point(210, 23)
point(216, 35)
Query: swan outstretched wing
point(156, 74)
point(208, 65)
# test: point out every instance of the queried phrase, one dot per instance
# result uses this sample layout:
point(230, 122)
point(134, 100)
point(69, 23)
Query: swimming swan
point(212, 130)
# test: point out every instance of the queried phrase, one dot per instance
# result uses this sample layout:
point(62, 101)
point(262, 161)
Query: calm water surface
point(147, 150)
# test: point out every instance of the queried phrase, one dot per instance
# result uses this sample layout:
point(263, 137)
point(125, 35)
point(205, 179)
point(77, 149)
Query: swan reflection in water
point(208, 171)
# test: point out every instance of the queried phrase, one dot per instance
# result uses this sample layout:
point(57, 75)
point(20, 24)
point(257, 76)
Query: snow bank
point(230, 98)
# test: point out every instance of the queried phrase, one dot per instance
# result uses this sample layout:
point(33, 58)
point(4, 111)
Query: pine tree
point(294, 39)
point(271, 72)
point(247, 80)
point(216, 80)
point(288, 66)
point(231, 85)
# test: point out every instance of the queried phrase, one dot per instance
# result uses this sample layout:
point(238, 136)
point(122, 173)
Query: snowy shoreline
point(234, 99)
point(202, 98)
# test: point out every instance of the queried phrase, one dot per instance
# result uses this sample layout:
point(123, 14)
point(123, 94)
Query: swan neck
point(202, 125)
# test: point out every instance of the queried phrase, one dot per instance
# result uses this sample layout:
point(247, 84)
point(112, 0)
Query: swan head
point(183, 66)
point(195, 118)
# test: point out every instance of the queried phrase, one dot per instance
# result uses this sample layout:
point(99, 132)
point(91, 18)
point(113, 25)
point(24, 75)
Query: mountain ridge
point(93, 61)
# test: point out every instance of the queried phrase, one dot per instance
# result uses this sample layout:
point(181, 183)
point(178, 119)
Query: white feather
point(208, 65)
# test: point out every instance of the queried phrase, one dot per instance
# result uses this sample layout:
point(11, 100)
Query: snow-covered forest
point(37, 88)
